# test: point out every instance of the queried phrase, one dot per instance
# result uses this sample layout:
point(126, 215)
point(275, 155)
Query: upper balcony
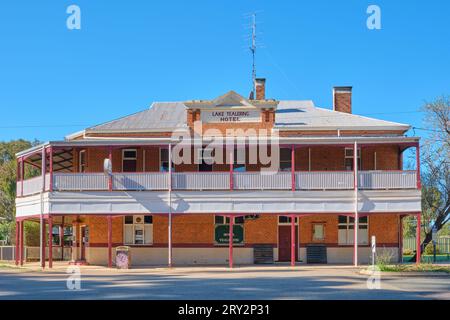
point(145, 168)
point(202, 181)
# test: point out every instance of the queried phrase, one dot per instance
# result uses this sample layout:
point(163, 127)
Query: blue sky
point(54, 81)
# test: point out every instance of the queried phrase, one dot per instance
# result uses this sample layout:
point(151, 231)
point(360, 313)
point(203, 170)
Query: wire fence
point(8, 253)
point(442, 245)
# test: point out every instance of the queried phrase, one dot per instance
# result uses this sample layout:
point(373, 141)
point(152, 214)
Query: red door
point(284, 243)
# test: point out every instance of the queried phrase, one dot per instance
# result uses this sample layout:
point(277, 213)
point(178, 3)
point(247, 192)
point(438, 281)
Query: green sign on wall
point(222, 234)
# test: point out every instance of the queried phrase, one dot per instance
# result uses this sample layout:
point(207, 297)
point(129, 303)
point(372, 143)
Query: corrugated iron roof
point(290, 115)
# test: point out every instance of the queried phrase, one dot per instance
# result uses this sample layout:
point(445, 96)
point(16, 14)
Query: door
point(284, 243)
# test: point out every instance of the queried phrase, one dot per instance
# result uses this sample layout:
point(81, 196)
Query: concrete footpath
point(249, 282)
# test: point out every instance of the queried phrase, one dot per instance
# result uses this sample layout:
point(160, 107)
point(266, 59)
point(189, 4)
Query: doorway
point(284, 239)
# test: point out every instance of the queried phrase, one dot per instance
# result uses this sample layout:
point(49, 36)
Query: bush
point(408, 252)
point(384, 258)
point(429, 250)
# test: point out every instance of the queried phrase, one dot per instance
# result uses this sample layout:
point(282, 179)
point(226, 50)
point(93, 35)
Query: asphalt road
point(219, 283)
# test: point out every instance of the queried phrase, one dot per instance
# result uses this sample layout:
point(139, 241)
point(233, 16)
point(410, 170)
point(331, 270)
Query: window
point(129, 160)
point(349, 159)
point(226, 220)
point(346, 234)
point(286, 220)
point(82, 161)
point(318, 231)
point(138, 230)
point(285, 159)
point(239, 160)
point(206, 157)
point(164, 161)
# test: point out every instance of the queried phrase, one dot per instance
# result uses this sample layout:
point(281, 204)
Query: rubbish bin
point(123, 257)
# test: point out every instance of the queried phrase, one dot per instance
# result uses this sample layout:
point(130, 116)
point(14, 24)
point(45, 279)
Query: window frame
point(349, 227)
point(346, 157)
point(128, 158)
point(161, 161)
point(82, 166)
point(289, 160)
point(133, 230)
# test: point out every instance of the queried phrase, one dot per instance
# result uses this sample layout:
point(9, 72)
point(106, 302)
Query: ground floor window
point(346, 226)
point(222, 230)
point(138, 230)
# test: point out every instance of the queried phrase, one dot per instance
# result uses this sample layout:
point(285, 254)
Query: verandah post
point(418, 248)
point(356, 221)
point(109, 218)
point(169, 242)
point(61, 237)
point(110, 182)
point(419, 183)
point(293, 167)
point(16, 251)
point(293, 241)
point(21, 248)
point(50, 241)
point(230, 243)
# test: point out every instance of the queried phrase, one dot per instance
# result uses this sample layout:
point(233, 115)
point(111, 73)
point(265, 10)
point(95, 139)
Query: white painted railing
point(324, 180)
point(201, 181)
point(141, 181)
point(262, 181)
point(79, 181)
point(308, 180)
point(387, 180)
point(32, 186)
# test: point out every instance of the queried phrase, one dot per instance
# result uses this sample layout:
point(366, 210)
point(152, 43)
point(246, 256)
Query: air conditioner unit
point(138, 219)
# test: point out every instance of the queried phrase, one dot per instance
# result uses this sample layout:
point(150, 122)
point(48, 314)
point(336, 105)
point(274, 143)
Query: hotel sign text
point(224, 116)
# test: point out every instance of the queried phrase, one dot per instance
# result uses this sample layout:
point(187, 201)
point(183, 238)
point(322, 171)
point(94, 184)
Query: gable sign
point(230, 116)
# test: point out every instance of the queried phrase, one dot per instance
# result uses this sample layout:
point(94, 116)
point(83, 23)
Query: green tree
point(8, 176)
point(435, 159)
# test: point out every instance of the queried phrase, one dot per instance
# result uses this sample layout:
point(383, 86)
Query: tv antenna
point(253, 51)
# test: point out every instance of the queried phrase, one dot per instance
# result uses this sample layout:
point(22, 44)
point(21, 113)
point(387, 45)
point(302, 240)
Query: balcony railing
point(324, 180)
point(154, 181)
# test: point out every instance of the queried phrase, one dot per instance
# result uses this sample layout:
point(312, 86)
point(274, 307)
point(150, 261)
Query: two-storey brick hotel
point(223, 181)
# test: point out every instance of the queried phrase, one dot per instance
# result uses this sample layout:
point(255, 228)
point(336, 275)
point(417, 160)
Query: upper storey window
point(164, 160)
point(285, 159)
point(129, 160)
point(349, 159)
point(82, 161)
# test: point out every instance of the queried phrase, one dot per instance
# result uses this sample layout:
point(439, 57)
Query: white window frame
point(349, 232)
point(160, 160)
point(128, 158)
point(323, 231)
point(350, 156)
point(80, 165)
point(133, 228)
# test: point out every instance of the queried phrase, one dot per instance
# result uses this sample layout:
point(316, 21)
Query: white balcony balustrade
point(201, 181)
point(141, 181)
point(324, 180)
point(376, 180)
point(80, 182)
point(154, 181)
point(262, 181)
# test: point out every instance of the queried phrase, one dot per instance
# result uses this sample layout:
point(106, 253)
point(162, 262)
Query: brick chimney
point(342, 99)
point(260, 86)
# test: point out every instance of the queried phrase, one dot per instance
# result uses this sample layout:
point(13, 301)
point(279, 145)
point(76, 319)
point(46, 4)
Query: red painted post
point(419, 183)
point(293, 167)
point(110, 182)
point(230, 253)
point(51, 168)
point(231, 169)
point(50, 241)
point(43, 241)
point(293, 241)
point(61, 237)
point(418, 249)
point(109, 241)
point(22, 175)
point(356, 215)
point(16, 252)
point(21, 243)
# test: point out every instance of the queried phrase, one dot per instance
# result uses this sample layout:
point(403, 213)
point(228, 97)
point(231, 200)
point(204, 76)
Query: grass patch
point(8, 266)
point(424, 267)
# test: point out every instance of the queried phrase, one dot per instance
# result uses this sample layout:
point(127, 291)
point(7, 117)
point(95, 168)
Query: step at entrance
point(316, 253)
